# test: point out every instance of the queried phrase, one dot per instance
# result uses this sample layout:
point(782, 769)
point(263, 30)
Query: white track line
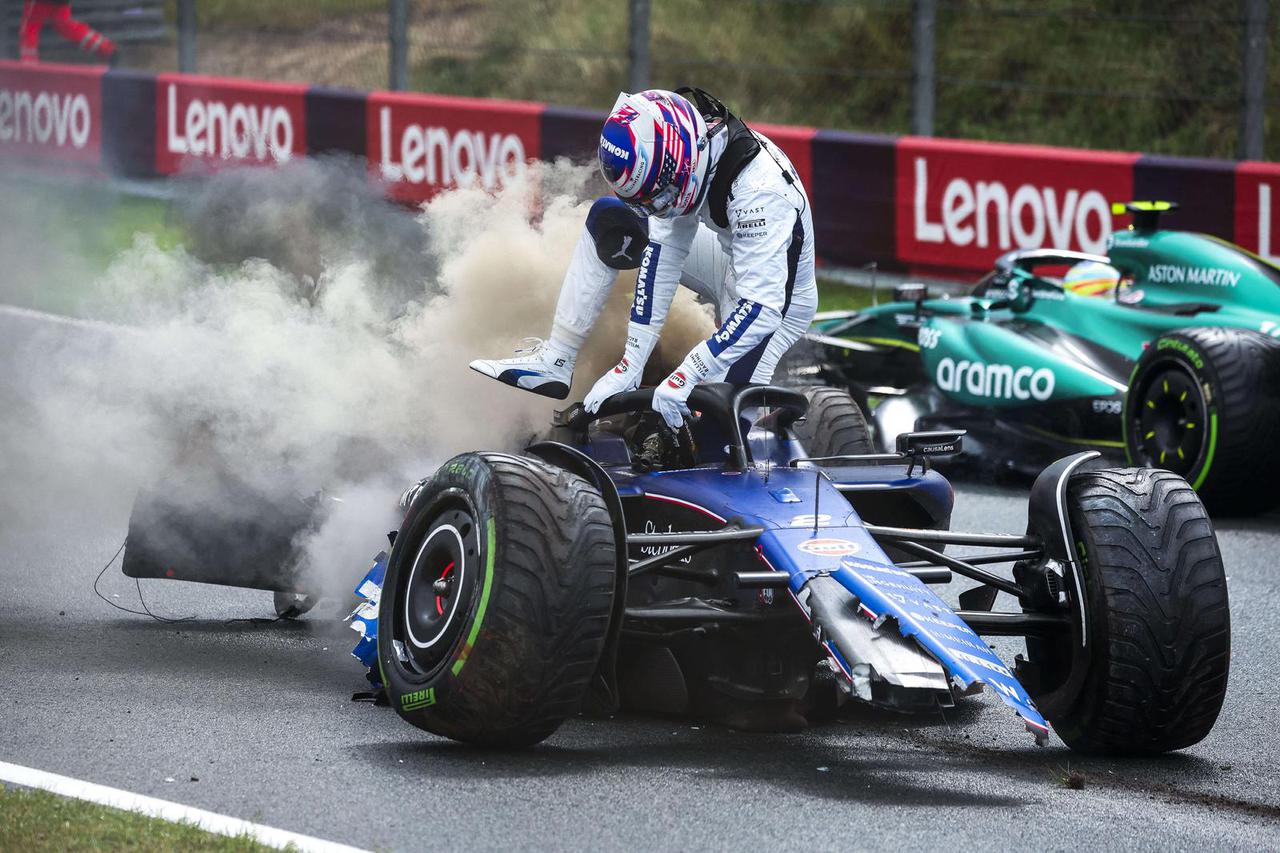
point(61, 319)
point(163, 809)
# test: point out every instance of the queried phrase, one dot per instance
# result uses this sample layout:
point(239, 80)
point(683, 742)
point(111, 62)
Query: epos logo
point(961, 204)
point(829, 547)
point(213, 121)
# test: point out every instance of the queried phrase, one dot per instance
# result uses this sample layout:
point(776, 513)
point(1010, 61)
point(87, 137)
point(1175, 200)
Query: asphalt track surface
point(255, 720)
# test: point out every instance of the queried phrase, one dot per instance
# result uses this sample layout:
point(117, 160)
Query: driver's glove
point(670, 395)
point(625, 376)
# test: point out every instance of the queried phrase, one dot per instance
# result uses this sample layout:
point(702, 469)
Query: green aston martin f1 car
point(1166, 351)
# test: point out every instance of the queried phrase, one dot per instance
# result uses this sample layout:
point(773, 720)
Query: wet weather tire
point(834, 425)
point(1203, 403)
point(496, 601)
point(1159, 638)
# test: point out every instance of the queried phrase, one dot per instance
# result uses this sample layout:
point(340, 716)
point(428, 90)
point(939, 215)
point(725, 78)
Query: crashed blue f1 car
point(760, 566)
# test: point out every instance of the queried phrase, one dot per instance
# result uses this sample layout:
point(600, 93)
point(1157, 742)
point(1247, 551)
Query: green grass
point(85, 226)
point(37, 821)
point(65, 235)
point(834, 296)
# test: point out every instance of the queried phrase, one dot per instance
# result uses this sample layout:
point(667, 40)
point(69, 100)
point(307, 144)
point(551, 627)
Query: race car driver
point(702, 200)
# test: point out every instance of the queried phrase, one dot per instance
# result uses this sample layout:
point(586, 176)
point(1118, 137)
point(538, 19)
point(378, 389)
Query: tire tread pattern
point(1245, 369)
point(1159, 615)
point(834, 425)
point(548, 611)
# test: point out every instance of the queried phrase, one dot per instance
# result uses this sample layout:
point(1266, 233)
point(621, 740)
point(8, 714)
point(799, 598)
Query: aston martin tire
point(1203, 403)
point(834, 425)
point(1151, 673)
point(496, 600)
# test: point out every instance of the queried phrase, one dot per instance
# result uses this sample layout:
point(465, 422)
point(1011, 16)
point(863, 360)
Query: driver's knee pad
point(619, 233)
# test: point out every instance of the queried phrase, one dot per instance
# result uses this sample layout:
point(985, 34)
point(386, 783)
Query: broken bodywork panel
point(890, 599)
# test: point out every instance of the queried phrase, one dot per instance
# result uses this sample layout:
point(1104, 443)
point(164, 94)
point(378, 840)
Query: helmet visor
point(661, 204)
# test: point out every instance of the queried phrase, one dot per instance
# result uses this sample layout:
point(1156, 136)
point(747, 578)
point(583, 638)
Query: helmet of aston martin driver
point(653, 152)
point(1091, 278)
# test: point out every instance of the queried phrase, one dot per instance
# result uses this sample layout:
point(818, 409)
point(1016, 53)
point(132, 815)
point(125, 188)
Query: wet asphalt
point(255, 719)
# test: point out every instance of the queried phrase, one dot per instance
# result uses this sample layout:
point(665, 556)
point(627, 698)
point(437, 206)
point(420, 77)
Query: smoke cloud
point(306, 336)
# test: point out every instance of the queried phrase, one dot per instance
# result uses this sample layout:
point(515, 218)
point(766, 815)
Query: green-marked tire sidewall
point(1176, 347)
point(462, 481)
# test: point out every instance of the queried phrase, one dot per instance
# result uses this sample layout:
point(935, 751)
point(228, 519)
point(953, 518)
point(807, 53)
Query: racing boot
point(537, 366)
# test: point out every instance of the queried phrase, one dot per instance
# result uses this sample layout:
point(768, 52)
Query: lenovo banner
point(959, 205)
point(421, 144)
point(1257, 214)
point(51, 114)
point(207, 122)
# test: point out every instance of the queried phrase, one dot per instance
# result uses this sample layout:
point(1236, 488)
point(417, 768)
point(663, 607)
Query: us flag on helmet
point(651, 152)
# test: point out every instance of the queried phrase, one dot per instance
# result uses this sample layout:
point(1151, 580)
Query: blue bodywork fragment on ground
point(364, 619)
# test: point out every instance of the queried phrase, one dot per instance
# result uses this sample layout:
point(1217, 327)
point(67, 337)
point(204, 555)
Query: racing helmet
point(653, 152)
point(1091, 278)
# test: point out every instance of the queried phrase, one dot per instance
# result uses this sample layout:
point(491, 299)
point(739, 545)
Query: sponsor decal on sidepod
point(998, 381)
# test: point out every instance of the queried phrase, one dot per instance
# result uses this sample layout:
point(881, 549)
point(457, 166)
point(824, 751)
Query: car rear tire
point(834, 425)
point(1153, 673)
point(496, 601)
point(1203, 403)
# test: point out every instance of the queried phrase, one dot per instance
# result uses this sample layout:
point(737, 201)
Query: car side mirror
point(917, 447)
point(910, 292)
point(1023, 300)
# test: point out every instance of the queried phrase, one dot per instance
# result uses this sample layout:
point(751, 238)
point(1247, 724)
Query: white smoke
point(309, 337)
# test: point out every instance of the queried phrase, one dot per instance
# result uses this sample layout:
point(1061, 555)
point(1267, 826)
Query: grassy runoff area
point(93, 223)
point(37, 821)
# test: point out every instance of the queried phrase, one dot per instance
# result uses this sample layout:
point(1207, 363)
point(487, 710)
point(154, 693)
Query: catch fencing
point(1193, 78)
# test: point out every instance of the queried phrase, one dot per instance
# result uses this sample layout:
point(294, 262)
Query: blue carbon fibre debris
point(884, 591)
point(364, 619)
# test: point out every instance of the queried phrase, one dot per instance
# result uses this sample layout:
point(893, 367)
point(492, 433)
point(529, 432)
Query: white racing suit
point(758, 271)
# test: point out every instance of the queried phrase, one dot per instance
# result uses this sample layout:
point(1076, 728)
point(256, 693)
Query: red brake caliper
point(439, 600)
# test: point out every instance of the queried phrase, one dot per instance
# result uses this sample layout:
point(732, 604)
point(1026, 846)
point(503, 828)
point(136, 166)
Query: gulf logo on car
point(829, 547)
